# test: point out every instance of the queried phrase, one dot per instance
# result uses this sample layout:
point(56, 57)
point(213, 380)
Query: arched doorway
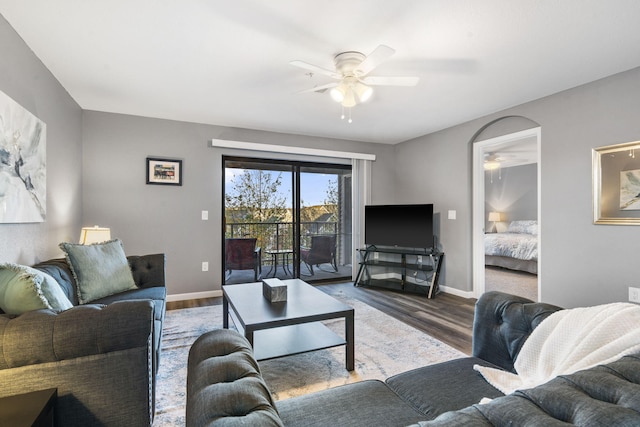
point(486, 150)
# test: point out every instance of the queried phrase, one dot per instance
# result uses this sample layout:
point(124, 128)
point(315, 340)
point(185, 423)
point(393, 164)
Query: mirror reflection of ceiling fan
point(493, 161)
point(520, 154)
point(353, 82)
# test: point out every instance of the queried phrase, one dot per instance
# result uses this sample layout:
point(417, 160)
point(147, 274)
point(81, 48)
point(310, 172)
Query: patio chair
point(322, 250)
point(242, 254)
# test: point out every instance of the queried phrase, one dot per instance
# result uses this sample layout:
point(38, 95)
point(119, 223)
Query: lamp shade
point(337, 93)
point(345, 93)
point(94, 234)
point(349, 99)
point(494, 216)
point(363, 91)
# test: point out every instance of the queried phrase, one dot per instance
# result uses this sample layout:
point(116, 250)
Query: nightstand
point(33, 409)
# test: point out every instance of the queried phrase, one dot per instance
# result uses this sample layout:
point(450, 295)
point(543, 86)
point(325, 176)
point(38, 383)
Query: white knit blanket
point(568, 341)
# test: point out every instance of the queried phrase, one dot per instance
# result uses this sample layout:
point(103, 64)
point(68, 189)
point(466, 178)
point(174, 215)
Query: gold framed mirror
point(616, 184)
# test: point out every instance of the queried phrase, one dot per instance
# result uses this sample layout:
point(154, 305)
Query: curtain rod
point(272, 148)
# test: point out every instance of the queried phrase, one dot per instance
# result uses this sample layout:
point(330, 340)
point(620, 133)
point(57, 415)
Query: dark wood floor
point(446, 317)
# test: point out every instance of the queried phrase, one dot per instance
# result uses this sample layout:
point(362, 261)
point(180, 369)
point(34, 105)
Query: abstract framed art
point(616, 184)
point(164, 171)
point(23, 161)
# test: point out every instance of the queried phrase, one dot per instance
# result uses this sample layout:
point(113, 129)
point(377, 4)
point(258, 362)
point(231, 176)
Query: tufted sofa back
point(60, 271)
point(224, 380)
point(148, 271)
point(502, 324)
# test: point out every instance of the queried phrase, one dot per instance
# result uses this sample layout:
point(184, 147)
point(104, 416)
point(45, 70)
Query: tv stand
point(400, 269)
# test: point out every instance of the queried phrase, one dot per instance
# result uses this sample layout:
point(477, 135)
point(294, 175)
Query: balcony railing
point(279, 235)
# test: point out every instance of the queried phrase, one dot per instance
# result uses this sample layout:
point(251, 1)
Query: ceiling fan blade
point(320, 88)
point(315, 69)
point(375, 58)
point(390, 81)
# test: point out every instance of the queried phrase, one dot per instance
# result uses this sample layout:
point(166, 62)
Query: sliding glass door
point(325, 222)
point(286, 219)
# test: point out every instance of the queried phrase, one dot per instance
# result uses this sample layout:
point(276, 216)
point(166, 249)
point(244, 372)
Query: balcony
point(278, 236)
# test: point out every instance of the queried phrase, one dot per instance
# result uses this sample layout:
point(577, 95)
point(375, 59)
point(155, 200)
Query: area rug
point(384, 346)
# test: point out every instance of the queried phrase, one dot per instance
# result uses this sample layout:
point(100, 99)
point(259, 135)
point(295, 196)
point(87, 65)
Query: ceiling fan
point(352, 74)
point(493, 161)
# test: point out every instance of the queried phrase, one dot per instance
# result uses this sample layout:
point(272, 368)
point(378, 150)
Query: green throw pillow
point(24, 289)
point(100, 269)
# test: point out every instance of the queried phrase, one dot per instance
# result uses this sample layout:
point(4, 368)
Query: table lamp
point(494, 217)
point(95, 234)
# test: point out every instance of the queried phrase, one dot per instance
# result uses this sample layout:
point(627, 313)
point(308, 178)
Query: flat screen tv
point(406, 226)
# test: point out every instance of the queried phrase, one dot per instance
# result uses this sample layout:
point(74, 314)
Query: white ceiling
point(226, 62)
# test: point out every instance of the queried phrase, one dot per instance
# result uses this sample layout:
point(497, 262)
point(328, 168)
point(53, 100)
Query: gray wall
point(25, 79)
point(513, 193)
point(436, 169)
point(581, 263)
point(157, 218)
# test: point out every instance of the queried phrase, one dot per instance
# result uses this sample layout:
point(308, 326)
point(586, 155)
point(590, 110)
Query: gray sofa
point(102, 357)
point(224, 385)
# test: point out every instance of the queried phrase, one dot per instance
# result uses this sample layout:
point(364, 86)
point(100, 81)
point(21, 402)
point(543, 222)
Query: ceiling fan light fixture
point(349, 99)
point(363, 91)
point(337, 93)
point(491, 165)
point(351, 72)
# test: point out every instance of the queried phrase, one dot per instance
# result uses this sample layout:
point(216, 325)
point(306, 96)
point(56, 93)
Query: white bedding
point(512, 245)
point(520, 241)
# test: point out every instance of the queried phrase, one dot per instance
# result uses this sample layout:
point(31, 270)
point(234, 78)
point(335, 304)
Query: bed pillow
point(523, 227)
point(24, 289)
point(100, 269)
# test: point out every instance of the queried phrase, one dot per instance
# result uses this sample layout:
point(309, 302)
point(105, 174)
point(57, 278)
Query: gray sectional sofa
point(102, 356)
point(224, 385)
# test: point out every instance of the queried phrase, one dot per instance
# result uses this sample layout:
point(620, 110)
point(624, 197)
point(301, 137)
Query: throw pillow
point(100, 269)
point(24, 289)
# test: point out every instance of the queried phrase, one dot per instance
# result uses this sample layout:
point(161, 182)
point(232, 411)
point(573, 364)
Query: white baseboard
point(457, 292)
point(194, 295)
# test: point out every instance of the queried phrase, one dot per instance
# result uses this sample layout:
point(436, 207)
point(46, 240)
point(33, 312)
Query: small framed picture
point(616, 184)
point(164, 171)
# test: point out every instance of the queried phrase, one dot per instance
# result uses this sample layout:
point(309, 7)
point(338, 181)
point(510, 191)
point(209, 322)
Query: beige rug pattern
point(384, 347)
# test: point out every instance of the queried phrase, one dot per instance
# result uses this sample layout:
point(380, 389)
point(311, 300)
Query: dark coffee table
point(34, 409)
point(290, 327)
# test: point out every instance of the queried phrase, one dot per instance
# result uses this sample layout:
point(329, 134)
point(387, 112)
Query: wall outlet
point(634, 294)
point(205, 266)
point(375, 255)
point(205, 215)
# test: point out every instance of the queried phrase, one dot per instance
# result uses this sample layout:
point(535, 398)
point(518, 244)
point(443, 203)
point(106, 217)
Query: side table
point(284, 253)
point(33, 409)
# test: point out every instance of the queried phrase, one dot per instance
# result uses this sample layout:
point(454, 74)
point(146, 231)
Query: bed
point(515, 249)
